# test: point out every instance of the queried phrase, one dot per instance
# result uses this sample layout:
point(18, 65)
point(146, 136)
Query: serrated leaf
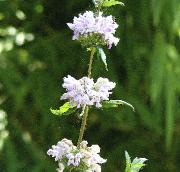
point(128, 162)
point(109, 3)
point(66, 109)
point(103, 57)
point(128, 158)
point(137, 164)
point(134, 166)
point(115, 103)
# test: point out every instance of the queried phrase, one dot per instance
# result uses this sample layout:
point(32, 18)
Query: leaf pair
point(68, 109)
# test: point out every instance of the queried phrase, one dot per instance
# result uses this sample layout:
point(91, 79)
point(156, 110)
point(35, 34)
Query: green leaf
point(134, 166)
point(103, 57)
point(109, 3)
point(115, 103)
point(66, 109)
point(128, 158)
point(128, 162)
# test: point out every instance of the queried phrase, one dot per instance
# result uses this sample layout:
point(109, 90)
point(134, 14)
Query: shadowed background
point(36, 52)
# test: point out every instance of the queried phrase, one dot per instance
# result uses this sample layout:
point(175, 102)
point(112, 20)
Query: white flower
point(85, 92)
point(91, 155)
point(76, 90)
point(61, 149)
point(95, 168)
point(95, 149)
point(102, 88)
point(89, 23)
point(74, 159)
point(61, 167)
point(97, 159)
point(83, 144)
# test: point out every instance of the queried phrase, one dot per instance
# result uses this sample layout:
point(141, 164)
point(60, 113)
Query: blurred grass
point(146, 66)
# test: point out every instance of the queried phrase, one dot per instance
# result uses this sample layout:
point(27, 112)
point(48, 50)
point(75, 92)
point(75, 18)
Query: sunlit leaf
point(66, 109)
point(115, 103)
point(109, 3)
point(128, 162)
point(134, 166)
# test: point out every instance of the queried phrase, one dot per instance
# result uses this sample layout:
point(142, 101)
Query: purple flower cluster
point(89, 23)
point(69, 155)
point(85, 92)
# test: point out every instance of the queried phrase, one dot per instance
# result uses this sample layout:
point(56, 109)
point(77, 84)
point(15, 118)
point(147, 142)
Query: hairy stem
point(83, 125)
point(93, 50)
point(85, 115)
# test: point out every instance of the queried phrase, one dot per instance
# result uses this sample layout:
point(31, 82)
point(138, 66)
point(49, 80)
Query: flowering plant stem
point(85, 115)
point(93, 50)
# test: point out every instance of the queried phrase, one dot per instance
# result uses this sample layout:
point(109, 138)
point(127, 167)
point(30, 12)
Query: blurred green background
point(36, 52)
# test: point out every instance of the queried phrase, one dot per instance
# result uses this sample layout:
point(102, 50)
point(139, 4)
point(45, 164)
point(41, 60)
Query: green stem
point(83, 126)
point(85, 115)
point(99, 9)
point(93, 50)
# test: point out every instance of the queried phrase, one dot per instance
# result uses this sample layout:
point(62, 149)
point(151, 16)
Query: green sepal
point(115, 104)
point(109, 3)
point(65, 109)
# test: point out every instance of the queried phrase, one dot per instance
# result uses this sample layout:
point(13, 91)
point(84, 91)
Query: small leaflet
point(109, 3)
point(116, 103)
point(66, 109)
point(103, 57)
point(134, 166)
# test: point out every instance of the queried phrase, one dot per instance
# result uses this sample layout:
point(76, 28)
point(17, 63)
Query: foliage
point(103, 57)
point(134, 166)
point(109, 3)
point(116, 103)
point(65, 109)
point(146, 63)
